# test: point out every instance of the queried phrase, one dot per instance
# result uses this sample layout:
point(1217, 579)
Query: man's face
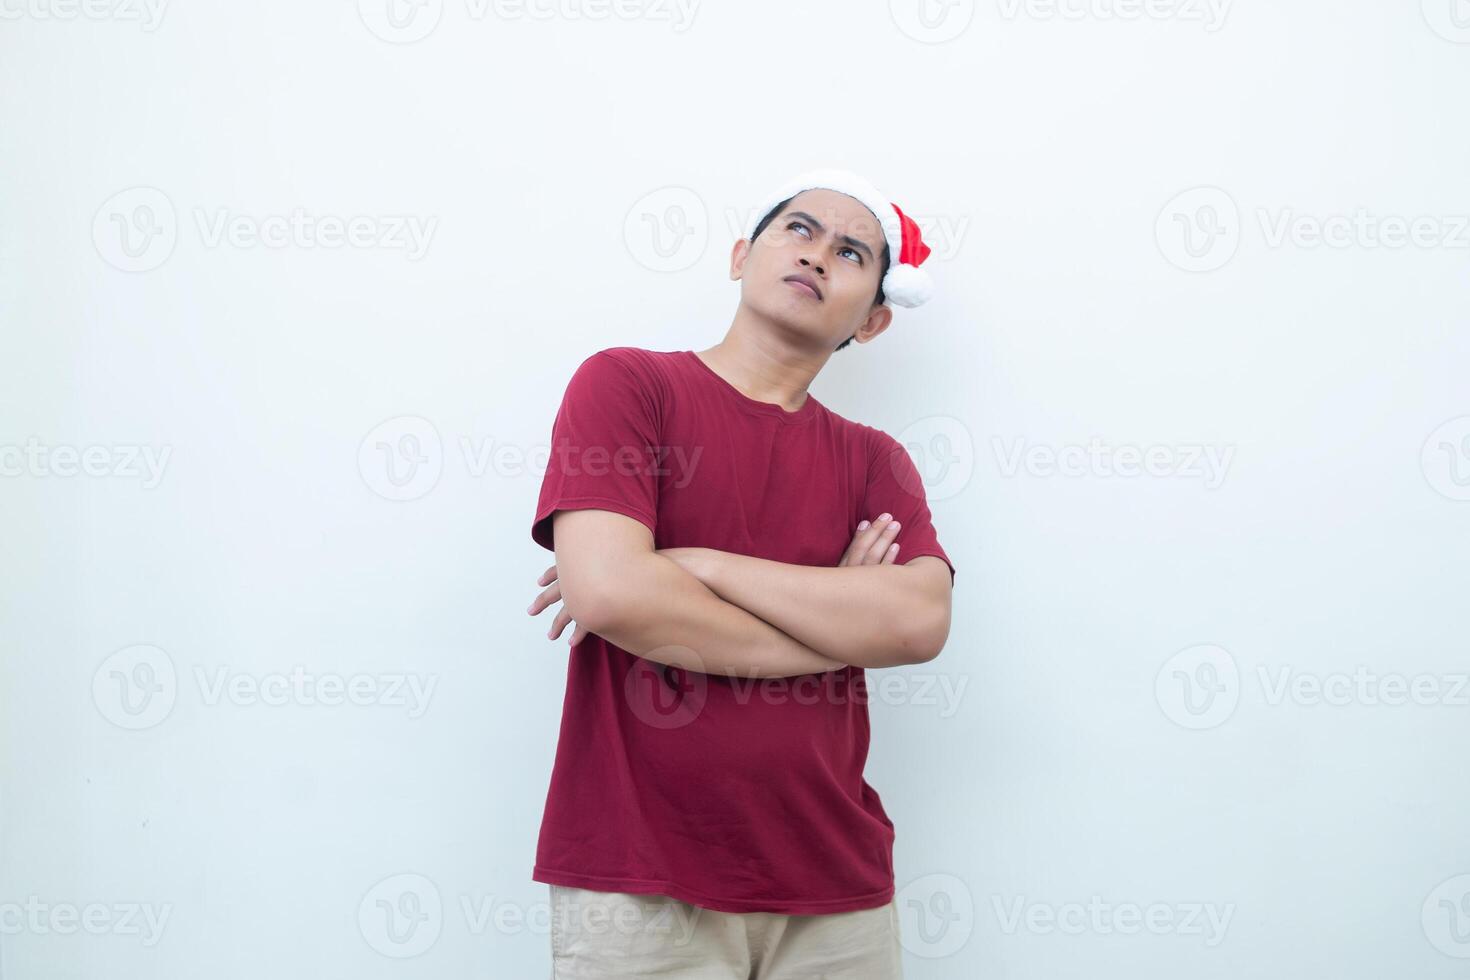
point(833, 242)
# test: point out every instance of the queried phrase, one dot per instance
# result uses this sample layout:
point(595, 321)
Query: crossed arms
point(721, 613)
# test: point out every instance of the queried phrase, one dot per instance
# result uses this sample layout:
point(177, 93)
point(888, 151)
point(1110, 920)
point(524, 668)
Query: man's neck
point(762, 366)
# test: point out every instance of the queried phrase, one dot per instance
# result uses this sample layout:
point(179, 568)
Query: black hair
point(882, 263)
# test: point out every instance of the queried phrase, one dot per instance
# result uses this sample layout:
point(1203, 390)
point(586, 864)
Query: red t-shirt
point(731, 794)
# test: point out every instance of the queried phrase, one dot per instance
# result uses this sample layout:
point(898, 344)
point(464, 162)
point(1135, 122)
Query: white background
point(1121, 202)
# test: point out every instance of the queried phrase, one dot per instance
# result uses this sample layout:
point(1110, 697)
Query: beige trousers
point(611, 935)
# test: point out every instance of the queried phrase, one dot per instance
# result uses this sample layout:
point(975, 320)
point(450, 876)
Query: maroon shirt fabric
point(727, 793)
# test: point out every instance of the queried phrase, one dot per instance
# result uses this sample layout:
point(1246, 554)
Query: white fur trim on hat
point(905, 285)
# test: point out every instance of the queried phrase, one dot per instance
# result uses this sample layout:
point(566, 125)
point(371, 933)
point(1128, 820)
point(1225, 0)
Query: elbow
point(613, 598)
point(925, 640)
point(599, 606)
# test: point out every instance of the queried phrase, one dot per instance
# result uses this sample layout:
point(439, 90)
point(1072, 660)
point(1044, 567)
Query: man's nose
point(809, 262)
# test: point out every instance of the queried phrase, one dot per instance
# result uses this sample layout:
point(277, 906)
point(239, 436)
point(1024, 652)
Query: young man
point(734, 555)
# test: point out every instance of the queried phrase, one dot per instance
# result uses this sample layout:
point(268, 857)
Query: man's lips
point(806, 285)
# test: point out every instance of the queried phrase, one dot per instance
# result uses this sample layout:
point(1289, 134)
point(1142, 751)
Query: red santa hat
point(905, 284)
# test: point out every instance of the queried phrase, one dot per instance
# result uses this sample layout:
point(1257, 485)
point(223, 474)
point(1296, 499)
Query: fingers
point(560, 623)
point(548, 595)
point(862, 540)
point(881, 544)
point(873, 543)
point(849, 556)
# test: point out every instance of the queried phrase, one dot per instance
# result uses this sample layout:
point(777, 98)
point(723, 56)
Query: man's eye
point(855, 254)
point(796, 224)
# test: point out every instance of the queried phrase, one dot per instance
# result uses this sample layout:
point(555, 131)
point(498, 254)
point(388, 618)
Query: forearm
point(661, 612)
point(865, 615)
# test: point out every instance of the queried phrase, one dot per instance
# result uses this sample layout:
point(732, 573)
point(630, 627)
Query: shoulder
point(889, 463)
point(649, 367)
point(624, 364)
point(875, 445)
point(623, 379)
point(874, 453)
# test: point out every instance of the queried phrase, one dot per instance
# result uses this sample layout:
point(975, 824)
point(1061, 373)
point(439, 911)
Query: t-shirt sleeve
point(601, 447)
point(895, 487)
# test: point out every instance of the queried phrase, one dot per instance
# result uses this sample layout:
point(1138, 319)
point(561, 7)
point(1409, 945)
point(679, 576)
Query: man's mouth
point(806, 285)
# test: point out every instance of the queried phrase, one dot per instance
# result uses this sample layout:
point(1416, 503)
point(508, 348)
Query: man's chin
point(801, 318)
point(805, 322)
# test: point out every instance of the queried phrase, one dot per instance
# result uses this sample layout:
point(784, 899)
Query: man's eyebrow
point(818, 226)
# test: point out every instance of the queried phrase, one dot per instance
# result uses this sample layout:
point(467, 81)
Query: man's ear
point(738, 256)
point(877, 322)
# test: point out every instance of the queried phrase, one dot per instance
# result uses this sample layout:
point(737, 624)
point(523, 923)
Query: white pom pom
point(907, 285)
